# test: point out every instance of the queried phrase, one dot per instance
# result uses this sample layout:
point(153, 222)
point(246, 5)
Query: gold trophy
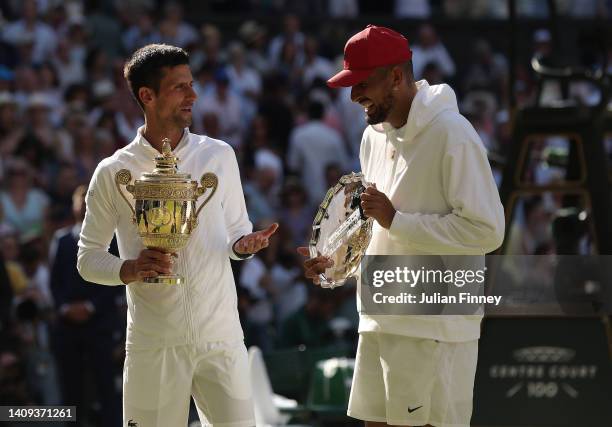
point(165, 209)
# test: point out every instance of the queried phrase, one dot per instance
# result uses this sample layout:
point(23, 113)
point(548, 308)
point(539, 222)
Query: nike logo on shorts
point(411, 410)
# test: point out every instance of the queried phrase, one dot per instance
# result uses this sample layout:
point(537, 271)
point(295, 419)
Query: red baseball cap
point(370, 48)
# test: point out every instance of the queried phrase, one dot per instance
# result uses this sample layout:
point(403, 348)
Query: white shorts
point(157, 385)
point(413, 381)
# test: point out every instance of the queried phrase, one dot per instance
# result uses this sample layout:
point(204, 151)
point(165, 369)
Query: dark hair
point(145, 68)
point(405, 66)
point(316, 110)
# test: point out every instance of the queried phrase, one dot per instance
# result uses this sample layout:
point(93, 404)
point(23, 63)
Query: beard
point(381, 111)
point(183, 121)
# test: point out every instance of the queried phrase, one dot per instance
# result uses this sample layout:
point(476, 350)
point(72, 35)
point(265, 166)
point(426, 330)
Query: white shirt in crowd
point(437, 54)
point(42, 36)
point(312, 147)
point(319, 67)
point(228, 112)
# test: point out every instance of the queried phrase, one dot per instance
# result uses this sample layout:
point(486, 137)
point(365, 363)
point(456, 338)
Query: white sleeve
point(94, 262)
point(234, 209)
point(476, 223)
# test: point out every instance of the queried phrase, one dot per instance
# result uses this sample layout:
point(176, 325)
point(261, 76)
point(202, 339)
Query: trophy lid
point(166, 166)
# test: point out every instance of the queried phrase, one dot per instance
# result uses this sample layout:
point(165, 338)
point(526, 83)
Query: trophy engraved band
point(165, 206)
point(341, 231)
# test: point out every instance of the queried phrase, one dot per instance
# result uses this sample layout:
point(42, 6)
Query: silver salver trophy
point(341, 231)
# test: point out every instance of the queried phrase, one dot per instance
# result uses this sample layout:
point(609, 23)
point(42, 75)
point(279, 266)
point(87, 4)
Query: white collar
point(141, 140)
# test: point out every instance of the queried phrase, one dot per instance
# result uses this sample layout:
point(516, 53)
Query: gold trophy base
point(166, 279)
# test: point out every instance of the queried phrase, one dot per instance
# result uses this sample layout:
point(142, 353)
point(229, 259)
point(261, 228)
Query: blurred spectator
point(173, 29)
point(261, 197)
point(62, 186)
point(11, 130)
point(129, 118)
point(276, 107)
point(78, 41)
point(480, 107)
point(315, 66)
point(30, 28)
point(26, 84)
point(416, 9)
point(69, 67)
point(259, 153)
point(143, 32)
point(85, 151)
point(226, 105)
point(291, 36)
point(97, 65)
point(104, 28)
point(311, 146)
point(254, 37)
point(289, 288)
point(290, 64)
point(10, 244)
point(24, 206)
point(13, 380)
point(12, 282)
point(476, 8)
point(430, 49)
point(353, 122)
point(343, 8)
point(489, 71)
point(33, 310)
point(532, 8)
point(296, 213)
point(210, 51)
point(244, 80)
point(32, 260)
point(40, 145)
point(433, 74)
point(86, 328)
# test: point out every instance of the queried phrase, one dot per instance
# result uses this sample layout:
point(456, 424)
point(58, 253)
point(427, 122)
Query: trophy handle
point(123, 177)
point(208, 180)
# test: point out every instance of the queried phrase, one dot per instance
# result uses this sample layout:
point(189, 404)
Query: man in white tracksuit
point(434, 194)
point(182, 340)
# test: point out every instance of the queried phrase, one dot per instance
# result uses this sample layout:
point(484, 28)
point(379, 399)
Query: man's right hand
point(150, 263)
point(313, 267)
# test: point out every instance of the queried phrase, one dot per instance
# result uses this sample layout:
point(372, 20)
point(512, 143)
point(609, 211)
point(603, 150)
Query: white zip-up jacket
point(435, 171)
point(203, 309)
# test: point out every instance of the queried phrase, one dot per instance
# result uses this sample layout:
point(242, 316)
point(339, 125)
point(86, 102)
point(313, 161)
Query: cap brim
point(348, 78)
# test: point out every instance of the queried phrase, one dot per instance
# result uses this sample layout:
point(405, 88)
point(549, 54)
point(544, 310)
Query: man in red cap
point(433, 193)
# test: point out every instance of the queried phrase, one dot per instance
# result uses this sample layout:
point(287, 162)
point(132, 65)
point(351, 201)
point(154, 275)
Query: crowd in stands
point(64, 106)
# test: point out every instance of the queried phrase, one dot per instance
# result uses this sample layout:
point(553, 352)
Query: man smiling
point(434, 194)
point(183, 339)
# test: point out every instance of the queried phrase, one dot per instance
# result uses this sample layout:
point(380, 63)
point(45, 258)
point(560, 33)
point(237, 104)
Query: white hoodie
point(205, 307)
point(435, 171)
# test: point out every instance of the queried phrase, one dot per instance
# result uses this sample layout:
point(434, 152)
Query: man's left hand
point(377, 205)
point(254, 242)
